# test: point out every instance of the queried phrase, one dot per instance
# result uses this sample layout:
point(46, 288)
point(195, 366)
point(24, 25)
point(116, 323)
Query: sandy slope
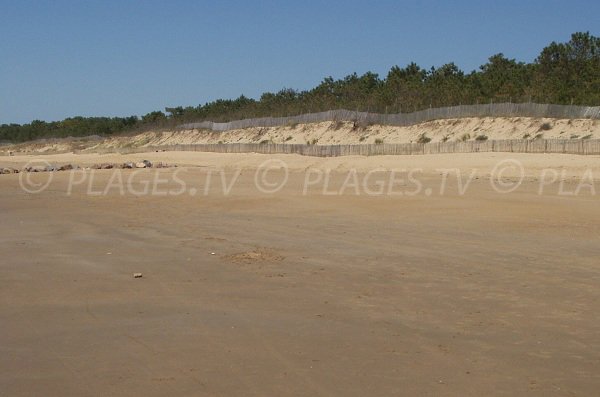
point(344, 133)
point(340, 133)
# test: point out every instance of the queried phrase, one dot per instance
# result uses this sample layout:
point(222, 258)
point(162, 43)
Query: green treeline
point(563, 73)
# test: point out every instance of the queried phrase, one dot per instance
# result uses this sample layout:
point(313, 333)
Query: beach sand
point(298, 292)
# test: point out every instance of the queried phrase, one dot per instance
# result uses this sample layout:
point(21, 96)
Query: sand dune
point(338, 133)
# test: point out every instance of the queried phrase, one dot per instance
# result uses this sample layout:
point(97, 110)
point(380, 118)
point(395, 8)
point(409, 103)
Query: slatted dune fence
point(406, 119)
point(568, 146)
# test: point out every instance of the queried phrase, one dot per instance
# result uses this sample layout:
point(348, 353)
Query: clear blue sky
point(116, 58)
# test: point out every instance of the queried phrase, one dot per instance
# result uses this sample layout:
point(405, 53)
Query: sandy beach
point(481, 163)
point(298, 292)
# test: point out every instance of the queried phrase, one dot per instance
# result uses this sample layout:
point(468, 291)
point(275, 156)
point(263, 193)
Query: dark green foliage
point(569, 72)
point(75, 126)
point(481, 138)
point(563, 73)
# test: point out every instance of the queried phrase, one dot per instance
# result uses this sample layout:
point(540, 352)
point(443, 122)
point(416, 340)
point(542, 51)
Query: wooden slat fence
point(406, 119)
point(567, 146)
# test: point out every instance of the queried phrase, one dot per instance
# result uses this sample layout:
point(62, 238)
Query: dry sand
point(329, 133)
point(482, 164)
point(320, 295)
point(339, 133)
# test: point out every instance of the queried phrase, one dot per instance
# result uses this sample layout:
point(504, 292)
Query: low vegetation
point(336, 125)
point(423, 138)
